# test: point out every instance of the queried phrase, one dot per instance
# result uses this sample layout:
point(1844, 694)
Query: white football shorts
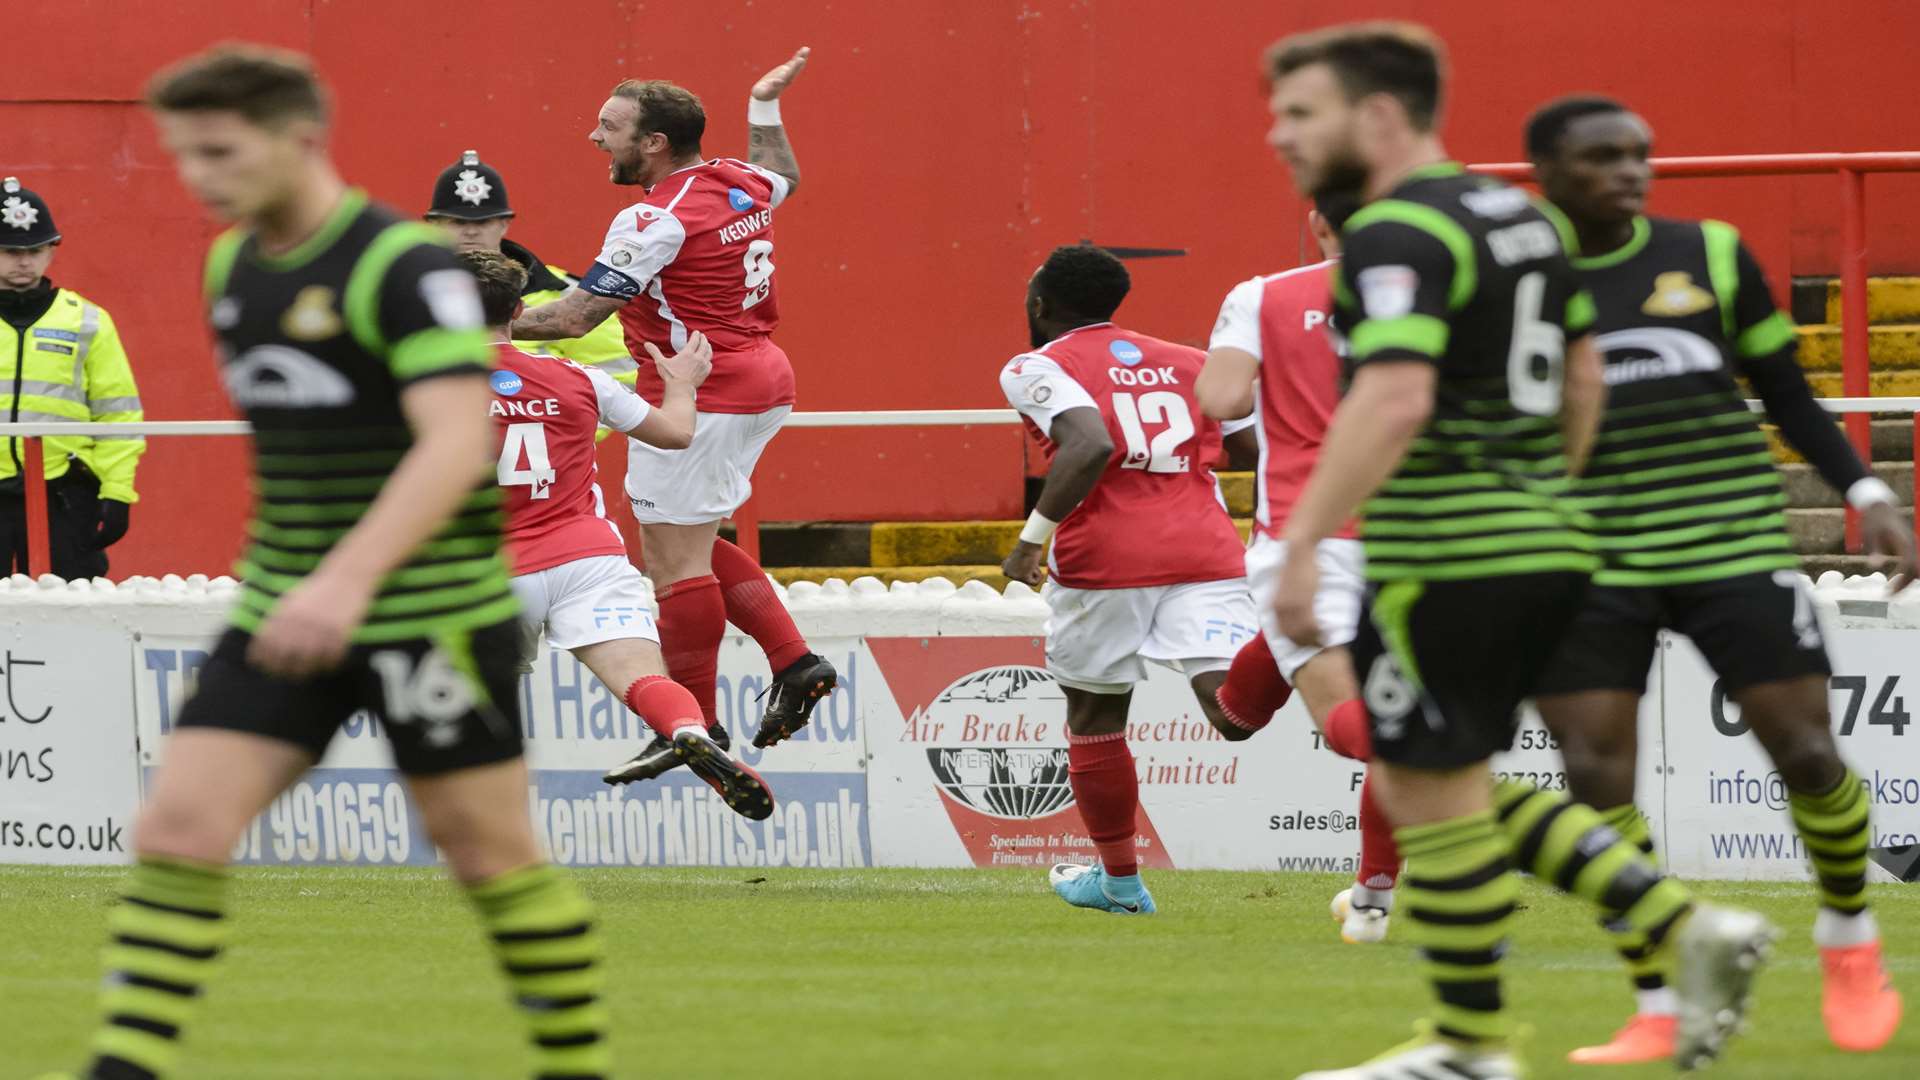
point(708, 480)
point(1099, 640)
point(584, 602)
point(1343, 585)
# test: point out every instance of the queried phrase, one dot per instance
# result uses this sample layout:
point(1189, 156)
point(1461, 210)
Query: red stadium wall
point(946, 144)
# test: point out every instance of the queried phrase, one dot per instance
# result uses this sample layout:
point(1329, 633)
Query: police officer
point(470, 202)
point(60, 360)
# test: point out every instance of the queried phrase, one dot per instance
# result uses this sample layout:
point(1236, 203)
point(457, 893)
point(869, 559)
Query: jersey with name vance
point(696, 254)
point(547, 410)
point(1281, 321)
point(1156, 516)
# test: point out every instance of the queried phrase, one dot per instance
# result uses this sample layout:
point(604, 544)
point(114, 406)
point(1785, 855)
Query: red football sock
point(1349, 733)
point(665, 705)
point(1105, 788)
point(1379, 854)
point(693, 619)
point(753, 606)
point(1254, 690)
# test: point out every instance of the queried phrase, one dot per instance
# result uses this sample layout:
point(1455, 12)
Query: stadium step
point(1892, 441)
point(1880, 382)
point(1807, 491)
point(1889, 299)
point(1887, 347)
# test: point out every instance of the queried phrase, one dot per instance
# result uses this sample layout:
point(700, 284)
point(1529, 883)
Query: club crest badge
point(1675, 295)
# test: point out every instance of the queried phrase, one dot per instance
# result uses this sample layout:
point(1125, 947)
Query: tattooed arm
point(768, 148)
point(576, 313)
point(767, 144)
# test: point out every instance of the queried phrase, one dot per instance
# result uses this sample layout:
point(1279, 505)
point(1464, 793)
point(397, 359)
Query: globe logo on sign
point(1016, 782)
point(739, 200)
point(1126, 352)
point(506, 383)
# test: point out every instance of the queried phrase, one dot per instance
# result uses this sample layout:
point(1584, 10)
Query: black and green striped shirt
point(1471, 275)
point(1682, 486)
point(315, 348)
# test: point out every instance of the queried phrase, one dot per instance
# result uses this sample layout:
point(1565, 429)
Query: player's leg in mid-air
point(1094, 637)
point(597, 609)
point(1323, 676)
point(703, 582)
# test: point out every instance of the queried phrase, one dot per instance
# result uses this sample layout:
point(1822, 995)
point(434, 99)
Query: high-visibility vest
point(69, 365)
point(604, 347)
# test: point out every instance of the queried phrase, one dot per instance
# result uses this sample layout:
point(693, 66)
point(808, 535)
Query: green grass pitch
point(877, 973)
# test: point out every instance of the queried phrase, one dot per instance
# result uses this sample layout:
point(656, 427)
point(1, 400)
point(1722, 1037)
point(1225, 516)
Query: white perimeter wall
point(944, 746)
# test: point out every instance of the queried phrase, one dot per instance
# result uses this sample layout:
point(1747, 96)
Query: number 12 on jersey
point(527, 441)
point(1156, 407)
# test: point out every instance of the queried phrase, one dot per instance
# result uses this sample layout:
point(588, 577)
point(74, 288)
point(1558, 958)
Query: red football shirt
point(1156, 516)
point(548, 410)
point(697, 254)
point(1281, 319)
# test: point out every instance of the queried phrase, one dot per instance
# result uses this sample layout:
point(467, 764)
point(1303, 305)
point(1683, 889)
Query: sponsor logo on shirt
point(1126, 352)
point(506, 383)
point(739, 200)
point(281, 377)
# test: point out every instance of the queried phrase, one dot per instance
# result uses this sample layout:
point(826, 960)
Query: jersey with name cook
point(1281, 320)
point(1470, 275)
point(1682, 486)
point(697, 254)
point(1155, 517)
point(547, 410)
point(316, 346)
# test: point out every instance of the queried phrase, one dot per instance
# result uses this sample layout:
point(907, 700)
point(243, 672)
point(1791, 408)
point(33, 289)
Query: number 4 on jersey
point(527, 441)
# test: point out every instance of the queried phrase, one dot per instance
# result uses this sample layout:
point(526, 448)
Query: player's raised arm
point(575, 314)
point(671, 426)
point(767, 144)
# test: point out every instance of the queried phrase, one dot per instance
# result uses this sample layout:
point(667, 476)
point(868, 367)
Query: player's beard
point(1346, 173)
point(627, 173)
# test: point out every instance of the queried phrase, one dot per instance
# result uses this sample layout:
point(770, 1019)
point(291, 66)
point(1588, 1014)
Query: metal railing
point(1852, 170)
point(745, 521)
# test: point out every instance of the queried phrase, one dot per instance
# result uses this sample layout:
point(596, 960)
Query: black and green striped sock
point(1458, 896)
point(1569, 846)
point(543, 931)
point(1643, 960)
point(1834, 828)
point(164, 935)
